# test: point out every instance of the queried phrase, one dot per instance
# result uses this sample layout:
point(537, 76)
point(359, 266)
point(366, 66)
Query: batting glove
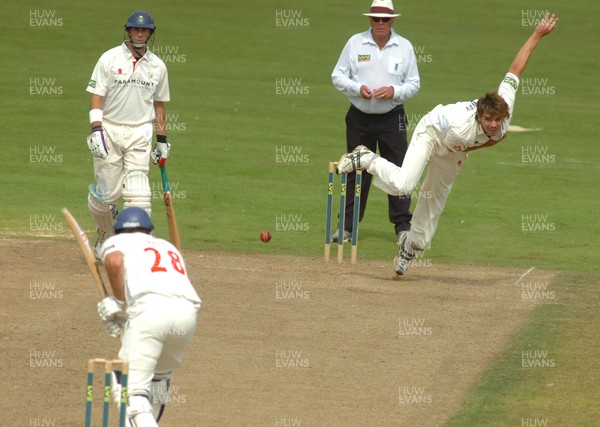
point(109, 307)
point(161, 150)
point(97, 144)
point(115, 327)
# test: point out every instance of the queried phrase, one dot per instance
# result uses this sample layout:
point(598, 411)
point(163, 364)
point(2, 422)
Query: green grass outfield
point(245, 89)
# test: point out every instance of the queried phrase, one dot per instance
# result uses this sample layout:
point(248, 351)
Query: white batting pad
point(137, 191)
point(102, 212)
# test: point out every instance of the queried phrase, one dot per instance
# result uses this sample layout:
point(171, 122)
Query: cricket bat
point(171, 218)
point(88, 253)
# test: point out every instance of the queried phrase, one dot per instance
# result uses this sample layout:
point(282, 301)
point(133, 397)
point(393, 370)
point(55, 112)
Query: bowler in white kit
point(443, 138)
point(153, 308)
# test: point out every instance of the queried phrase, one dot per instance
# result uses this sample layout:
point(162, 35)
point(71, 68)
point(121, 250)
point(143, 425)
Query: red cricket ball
point(265, 236)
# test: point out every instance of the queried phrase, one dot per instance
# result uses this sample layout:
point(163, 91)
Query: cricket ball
point(265, 236)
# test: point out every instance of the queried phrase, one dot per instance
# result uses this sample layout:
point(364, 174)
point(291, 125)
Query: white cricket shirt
point(363, 63)
point(152, 266)
point(129, 87)
point(457, 123)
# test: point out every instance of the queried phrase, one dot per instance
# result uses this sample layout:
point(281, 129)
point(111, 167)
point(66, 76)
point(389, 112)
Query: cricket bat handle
point(171, 218)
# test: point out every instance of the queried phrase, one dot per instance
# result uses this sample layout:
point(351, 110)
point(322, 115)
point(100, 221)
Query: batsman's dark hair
point(492, 103)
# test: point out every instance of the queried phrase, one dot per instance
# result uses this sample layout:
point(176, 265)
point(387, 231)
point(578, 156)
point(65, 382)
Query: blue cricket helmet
point(140, 19)
point(133, 218)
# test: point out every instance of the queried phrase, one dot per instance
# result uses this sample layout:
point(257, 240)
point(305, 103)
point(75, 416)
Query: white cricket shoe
point(360, 158)
point(405, 255)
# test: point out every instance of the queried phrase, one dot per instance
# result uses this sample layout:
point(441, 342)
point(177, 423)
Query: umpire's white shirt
point(363, 63)
point(129, 87)
point(457, 124)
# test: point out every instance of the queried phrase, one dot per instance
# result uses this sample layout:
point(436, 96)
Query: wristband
point(96, 128)
point(96, 115)
point(161, 138)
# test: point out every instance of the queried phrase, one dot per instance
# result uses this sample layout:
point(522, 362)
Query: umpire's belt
point(398, 109)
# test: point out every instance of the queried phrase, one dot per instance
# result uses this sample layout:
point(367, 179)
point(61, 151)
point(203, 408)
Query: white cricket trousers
point(426, 145)
point(129, 150)
point(159, 329)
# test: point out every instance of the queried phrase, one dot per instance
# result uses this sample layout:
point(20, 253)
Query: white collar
point(129, 55)
point(367, 37)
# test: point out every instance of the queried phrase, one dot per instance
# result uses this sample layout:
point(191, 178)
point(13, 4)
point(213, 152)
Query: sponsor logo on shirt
point(134, 82)
point(511, 81)
point(92, 83)
point(364, 58)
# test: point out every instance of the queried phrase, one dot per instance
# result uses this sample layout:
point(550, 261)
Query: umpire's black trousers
point(386, 134)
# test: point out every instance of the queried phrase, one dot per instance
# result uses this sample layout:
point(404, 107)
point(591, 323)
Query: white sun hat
point(382, 9)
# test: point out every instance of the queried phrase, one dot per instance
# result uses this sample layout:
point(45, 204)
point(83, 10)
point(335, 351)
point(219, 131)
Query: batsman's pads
point(97, 144)
point(360, 158)
point(137, 191)
point(102, 212)
point(160, 389)
point(160, 153)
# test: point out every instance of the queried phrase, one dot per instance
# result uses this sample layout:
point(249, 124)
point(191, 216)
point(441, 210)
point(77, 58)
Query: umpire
point(378, 71)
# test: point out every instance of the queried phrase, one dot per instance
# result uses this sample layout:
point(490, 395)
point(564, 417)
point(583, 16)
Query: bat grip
point(165, 178)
